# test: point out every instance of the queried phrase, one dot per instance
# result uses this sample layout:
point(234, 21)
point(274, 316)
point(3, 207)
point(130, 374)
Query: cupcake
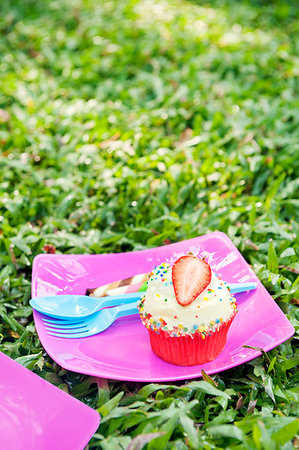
point(187, 310)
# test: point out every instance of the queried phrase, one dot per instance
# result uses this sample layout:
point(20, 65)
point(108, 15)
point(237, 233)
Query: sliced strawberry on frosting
point(190, 276)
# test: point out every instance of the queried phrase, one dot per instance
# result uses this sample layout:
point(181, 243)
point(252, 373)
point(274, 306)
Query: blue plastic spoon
point(76, 306)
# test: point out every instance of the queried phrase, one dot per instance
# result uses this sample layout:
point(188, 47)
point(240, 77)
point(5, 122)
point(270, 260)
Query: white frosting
point(213, 306)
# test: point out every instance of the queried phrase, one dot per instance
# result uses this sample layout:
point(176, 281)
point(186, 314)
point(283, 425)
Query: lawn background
point(129, 124)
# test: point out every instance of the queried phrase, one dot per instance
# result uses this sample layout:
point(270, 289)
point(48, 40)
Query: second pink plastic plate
point(123, 351)
point(36, 415)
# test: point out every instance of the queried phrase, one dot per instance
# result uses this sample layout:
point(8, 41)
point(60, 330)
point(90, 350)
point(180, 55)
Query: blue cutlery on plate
point(98, 321)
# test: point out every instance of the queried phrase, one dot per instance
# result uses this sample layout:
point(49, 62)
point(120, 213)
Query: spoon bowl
point(76, 306)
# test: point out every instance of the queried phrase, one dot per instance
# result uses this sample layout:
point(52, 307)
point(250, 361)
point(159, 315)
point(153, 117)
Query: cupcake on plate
point(187, 310)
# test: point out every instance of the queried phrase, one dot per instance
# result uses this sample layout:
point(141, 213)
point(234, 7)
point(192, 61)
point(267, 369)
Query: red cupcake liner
point(189, 350)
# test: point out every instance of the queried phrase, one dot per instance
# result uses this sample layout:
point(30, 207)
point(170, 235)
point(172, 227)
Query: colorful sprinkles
point(159, 274)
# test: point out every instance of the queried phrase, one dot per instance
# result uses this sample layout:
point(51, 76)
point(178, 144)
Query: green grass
point(126, 125)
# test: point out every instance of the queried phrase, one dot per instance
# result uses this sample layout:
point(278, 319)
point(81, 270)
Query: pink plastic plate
point(123, 351)
point(34, 414)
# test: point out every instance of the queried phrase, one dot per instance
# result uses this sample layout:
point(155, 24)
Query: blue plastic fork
point(89, 326)
point(102, 319)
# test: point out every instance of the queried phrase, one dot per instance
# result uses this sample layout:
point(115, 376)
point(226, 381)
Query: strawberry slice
point(190, 276)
